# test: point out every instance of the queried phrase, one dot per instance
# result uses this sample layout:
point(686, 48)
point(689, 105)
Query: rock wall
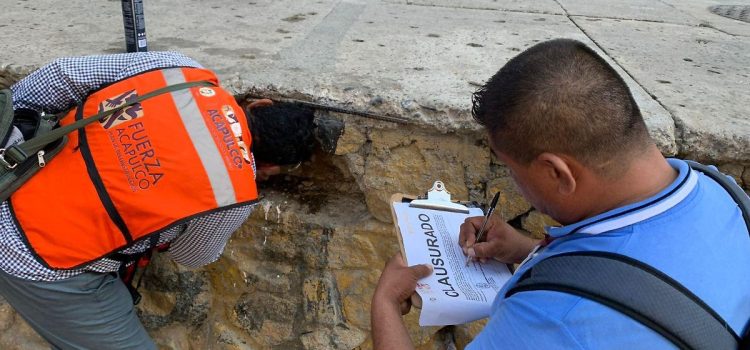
point(301, 271)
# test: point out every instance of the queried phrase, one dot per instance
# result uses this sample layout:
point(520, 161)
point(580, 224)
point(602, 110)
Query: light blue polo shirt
point(693, 231)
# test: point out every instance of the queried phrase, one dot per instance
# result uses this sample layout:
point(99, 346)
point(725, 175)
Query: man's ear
point(560, 170)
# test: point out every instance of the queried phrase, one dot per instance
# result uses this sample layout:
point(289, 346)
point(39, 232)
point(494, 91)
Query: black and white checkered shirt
point(63, 84)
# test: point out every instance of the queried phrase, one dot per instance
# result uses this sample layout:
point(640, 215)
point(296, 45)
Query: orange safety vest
point(139, 171)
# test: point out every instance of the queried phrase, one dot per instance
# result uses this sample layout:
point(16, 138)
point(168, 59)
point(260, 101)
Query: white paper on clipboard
point(454, 293)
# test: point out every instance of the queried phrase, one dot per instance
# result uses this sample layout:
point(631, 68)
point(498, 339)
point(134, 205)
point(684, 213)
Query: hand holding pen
point(498, 240)
point(487, 216)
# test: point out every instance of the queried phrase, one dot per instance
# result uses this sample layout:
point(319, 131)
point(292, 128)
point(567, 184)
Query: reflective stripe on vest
point(140, 171)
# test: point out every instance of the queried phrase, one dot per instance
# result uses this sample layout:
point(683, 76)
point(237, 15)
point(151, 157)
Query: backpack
point(640, 291)
point(18, 163)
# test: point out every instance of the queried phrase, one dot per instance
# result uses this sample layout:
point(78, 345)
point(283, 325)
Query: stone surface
point(698, 73)
point(535, 222)
point(15, 333)
point(733, 170)
point(640, 10)
point(465, 333)
point(531, 6)
point(421, 68)
point(511, 203)
point(173, 338)
point(350, 141)
point(301, 271)
point(698, 9)
point(411, 163)
point(11, 73)
point(158, 303)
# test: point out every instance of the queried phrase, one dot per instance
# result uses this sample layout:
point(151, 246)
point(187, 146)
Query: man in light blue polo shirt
point(567, 127)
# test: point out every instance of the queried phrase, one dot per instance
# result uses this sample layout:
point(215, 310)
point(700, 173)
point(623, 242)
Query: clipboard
point(437, 198)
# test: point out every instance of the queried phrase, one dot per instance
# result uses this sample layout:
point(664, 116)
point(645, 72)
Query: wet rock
point(511, 203)
point(349, 250)
point(7, 316)
point(410, 161)
point(255, 309)
point(15, 333)
point(733, 170)
point(158, 303)
point(173, 337)
point(340, 337)
point(465, 333)
point(350, 141)
point(535, 222)
point(328, 131)
point(10, 74)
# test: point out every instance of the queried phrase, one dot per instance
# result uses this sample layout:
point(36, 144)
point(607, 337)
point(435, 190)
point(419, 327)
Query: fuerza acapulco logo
point(135, 153)
point(123, 115)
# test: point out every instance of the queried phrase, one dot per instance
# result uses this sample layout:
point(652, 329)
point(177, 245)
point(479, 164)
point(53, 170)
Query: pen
point(490, 210)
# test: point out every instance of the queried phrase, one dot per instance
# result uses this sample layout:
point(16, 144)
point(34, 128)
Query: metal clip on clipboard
point(438, 198)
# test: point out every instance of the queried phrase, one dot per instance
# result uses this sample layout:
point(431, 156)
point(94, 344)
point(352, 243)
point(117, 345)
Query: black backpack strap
point(635, 289)
point(129, 264)
point(738, 195)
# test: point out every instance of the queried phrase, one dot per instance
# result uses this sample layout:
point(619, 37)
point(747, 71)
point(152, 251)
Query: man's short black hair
point(560, 96)
point(282, 133)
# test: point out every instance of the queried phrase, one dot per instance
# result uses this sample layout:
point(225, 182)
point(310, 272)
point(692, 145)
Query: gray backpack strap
point(636, 290)
point(738, 195)
point(6, 115)
point(743, 201)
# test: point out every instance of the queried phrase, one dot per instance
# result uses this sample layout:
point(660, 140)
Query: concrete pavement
point(423, 58)
point(301, 271)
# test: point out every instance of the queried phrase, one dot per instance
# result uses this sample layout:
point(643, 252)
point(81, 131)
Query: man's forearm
point(388, 329)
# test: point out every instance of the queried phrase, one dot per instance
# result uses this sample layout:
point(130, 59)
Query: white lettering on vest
point(231, 150)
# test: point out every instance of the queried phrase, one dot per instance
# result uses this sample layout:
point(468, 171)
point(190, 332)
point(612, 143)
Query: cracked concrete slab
point(222, 32)
point(699, 74)
point(420, 61)
point(639, 10)
point(533, 6)
point(698, 9)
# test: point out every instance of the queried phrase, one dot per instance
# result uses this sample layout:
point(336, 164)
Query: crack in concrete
point(711, 26)
point(700, 25)
point(630, 19)
point(485, 9)
point(671, 116)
